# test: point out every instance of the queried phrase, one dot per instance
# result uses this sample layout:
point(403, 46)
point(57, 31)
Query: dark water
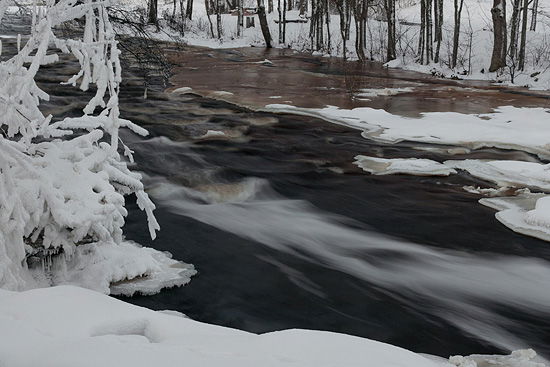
point(286, 233)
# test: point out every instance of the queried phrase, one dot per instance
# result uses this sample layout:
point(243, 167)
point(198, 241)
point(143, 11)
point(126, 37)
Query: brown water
point(313, 82)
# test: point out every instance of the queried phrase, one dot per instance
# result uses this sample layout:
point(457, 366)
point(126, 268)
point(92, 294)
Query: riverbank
point(474, 50)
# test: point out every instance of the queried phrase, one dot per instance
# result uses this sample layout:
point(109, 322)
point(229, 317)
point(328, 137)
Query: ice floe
point(508, 127)
point(411, 166)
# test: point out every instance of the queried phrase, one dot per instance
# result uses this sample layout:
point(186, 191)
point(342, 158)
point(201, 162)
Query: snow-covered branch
point(63, 183)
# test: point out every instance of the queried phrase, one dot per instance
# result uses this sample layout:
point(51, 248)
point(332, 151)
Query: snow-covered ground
point(70, 326)
point(474, 52)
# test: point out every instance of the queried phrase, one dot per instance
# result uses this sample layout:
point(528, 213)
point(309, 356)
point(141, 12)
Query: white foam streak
point(457, 285)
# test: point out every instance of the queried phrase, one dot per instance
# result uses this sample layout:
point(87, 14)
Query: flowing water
point(286, 233)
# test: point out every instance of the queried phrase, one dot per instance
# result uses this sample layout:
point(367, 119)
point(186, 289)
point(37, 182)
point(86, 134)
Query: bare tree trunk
point(438, 17)
point(456, 31)
point(429, 28)
point(422, 36)
point(534, 15)
point(313, 24)
point(521, 57)
point(340, 6)
point(514, 28)
point(498, 13)
point(425, 49)
point(208, 13)
point(240, 18)
point(189, 9)
point(280, 24)
point(284, 21)
point(318, 9)
point(360, 14)
point(389, 7)
point(303, 7)
point(263, 23)
point(327, 21)
point(219, 18)
point(152, 17)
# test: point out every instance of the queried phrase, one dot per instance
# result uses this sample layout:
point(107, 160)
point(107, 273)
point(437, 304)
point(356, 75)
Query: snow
point(63, 184)
point(114, 333)
point(411, 166)
point(507, 127)
point(518, 358)
point(526, 213)
point(385, 92)
point(475, 46)
point(507, 173)
point(523, 213)
point(119, 269)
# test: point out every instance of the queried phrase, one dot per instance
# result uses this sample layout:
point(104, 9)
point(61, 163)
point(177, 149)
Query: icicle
point(19, 42)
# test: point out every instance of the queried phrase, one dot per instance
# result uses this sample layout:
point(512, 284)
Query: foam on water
point(456, 286)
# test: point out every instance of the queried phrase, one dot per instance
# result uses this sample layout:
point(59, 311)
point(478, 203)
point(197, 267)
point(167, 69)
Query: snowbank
point(75, 327)
point(85, 328)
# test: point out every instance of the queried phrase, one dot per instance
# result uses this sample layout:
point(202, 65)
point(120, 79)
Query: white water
point(454, 285)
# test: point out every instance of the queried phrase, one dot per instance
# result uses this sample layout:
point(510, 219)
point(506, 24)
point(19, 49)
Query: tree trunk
point(189, 9)
point(240, 18)
point(340, 7)
point(514, 28)
point(521, 57)
point(326, 12)
point(360, 14)
point(207, 6)
point(498, 13)
point(280, 24)
point(534, 15)
point(303, 7)
point(219, 18)
point(284, 21)
point(456, 31)
point(429, 37)
point(422, 35)
point(438, 17)
point(263, 23)
point(152, 17)
point(389, 6)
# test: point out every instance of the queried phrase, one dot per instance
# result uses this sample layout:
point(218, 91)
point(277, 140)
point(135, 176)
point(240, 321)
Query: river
point(286, 233)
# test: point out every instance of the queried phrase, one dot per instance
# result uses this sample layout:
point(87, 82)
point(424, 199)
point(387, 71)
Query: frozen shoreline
point(115, 333)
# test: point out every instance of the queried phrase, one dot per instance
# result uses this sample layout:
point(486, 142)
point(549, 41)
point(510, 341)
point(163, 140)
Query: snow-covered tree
point(62, 183)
